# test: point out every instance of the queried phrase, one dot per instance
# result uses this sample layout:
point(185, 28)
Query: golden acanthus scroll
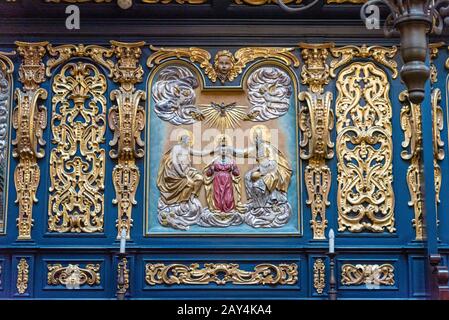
point(221, 274)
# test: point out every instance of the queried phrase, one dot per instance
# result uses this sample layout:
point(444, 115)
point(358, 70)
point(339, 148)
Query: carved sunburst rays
point(364, 149)
point(223, 116)
point(77, 162)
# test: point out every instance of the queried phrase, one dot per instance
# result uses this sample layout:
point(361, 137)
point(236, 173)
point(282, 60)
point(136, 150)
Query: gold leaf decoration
point(263, 2)
point(65, 52)
point(365, 150)
point(221, 274)
point(438, 143)
point(316, 120)
point(77, 162)
point(29, 121)
point(382, 55)
point(226, 66)
point(319, 276)
point(127, 121)
point(73, 274)
point(373, 274)
point(23, 270)
point(412, 127)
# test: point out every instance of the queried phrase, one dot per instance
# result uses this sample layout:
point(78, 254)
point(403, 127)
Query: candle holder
point(332, 278)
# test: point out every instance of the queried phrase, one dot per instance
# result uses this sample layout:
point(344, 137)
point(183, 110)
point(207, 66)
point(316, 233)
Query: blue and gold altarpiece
point(224, 161)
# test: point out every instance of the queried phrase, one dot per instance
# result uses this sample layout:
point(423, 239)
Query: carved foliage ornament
point(221, 274)
point(227, 66)
point(23, 270)
point(364, 149)
point(65, 52)
point(73, 275)
point(438, 143)
point(77, 162)
point(127, 121)
point(371, 275)
point(319, 275)
point(316, 120)
point(411, 126)
point(382, 55)
point(29, 121)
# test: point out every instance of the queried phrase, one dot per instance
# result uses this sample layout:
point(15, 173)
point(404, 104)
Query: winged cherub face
point(224, 62)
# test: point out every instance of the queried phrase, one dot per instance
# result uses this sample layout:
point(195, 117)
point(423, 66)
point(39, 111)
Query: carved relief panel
point(222, 159)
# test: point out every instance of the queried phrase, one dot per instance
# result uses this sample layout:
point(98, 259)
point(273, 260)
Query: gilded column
point(316, 123)
point(126, 120)
point(29, 121)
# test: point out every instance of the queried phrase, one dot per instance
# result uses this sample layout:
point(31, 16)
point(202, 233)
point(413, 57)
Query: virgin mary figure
point(222, 182)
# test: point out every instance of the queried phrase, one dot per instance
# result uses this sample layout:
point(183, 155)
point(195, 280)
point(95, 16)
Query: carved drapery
point(29, 121)
point(6, 71)
point(364, 149)
point(226, 66)
point(367, 274)
point(221, 274)
point(77, 162)
point(73, 275)
point(316, 122)
point(411, 125)
point(127, 121)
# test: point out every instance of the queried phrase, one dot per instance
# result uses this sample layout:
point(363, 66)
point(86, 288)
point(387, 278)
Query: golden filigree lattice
point(412, 144)
point(227, 66)
point(77, 162)
point(73, 275)
point(221, 274)
point(319, 276)
point(364, 149)
point(367, 274)
point(23, 271)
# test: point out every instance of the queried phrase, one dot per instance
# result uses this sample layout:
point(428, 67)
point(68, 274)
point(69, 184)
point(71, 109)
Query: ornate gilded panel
point(371, 275)
point(220, 274)
point(226, 163)
point(364, 149)
point(319, 275)
point(6, 69)
point(77, 161)
point(73, 276)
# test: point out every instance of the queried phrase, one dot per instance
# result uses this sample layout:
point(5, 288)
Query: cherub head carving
point(223, 65)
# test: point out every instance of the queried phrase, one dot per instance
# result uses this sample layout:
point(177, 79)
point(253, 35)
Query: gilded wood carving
point(77, 162)
point(226, 66)
point(412, 128)
point(29, 121)
point(127, 121)
point(316, 120)
point(370, 275)
point(23, 270)
point(364, 149)
point(221, 274)
point(319, 275)
point(73, 276)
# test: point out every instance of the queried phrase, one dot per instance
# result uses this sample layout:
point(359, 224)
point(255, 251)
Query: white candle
point(123, 240)
point(331, 241)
